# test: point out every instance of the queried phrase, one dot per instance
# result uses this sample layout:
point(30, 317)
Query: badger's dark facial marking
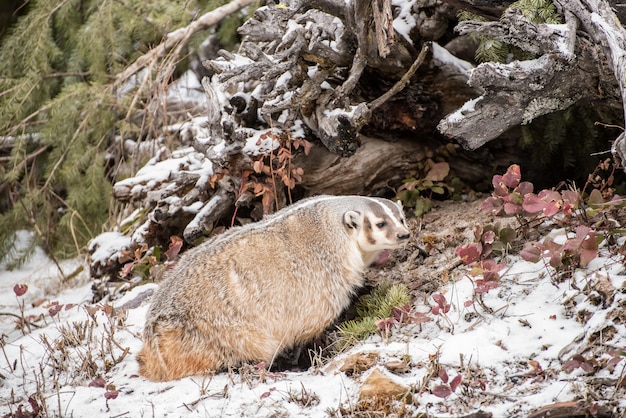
point(368, 230)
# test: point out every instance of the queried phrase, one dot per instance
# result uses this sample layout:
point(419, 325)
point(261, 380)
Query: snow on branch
point(295, 80)
point(567, 71)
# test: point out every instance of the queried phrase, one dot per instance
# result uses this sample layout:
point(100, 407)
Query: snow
point(563, 30)
point(445, 57)
point(459, 114)
point(529, 322)
point(156, 171)
point(105, 245)
point(186, 88)
point(404, 21)
point(261, 142)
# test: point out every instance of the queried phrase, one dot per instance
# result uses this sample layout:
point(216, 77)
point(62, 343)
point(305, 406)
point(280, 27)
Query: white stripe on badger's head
point(379, 224)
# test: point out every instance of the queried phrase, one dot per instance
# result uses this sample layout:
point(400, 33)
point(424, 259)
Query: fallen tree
point(568, 69)
point(310, 100)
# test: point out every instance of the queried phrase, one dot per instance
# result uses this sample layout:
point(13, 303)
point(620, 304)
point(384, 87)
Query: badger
point(259, 289)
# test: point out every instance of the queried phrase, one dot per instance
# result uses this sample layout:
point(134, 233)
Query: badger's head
point(378, 225)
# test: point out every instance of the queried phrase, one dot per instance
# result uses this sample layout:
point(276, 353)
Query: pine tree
point(60, 110)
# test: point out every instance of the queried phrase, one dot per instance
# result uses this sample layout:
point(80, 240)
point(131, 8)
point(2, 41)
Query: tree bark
point(600, 21)
point(569, 71)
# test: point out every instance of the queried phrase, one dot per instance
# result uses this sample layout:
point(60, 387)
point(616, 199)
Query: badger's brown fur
point(256, 290)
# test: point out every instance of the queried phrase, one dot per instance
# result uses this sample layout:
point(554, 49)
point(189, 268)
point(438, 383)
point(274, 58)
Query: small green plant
point(496, 50)
point(418, 192)
point(386, 306)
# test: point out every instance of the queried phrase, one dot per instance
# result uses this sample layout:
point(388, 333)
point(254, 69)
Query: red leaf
point(492, 205)
point(532, 204)
point(111, 394)
point(34, 406)
point(567, 210)
point(524, 188)
point(440, 300)
point(98, 382)
point(570, 365)
point(549, 195)
point(468, 303)
point(443, 375)
point(455, 382)
point(531, 252)
point(571, 197)
point(176, 243)
point(484, 286)
point(491, 276)
point(489, 237)
point(400, 313)
point(128, 268)
point(551, 208)
point(54, 308)
point(20, 289)
point(420, 318)
point(556, 259)
point(385, 324)
point(499, 188)
point(512, 208)
point(587, 366)
point(469, 253)
point(582, 232)
point(512, 176)
point(441, 391)
point(491, 265)
point(586, 256)
point(268, 393)
point(514, 198)
point(438, 172)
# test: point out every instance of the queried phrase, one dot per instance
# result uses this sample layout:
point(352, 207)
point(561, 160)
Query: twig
point(20, 318)
point(360, 17)
point(403, 81)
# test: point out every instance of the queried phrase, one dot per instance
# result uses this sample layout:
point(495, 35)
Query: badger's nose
point(404, 235)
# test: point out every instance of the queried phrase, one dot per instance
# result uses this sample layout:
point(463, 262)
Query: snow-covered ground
point(75, 358)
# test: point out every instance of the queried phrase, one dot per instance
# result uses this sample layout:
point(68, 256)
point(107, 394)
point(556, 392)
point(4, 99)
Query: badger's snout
point(403, 235)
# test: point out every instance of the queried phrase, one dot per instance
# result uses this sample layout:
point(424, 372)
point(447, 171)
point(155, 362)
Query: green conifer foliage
point(60, 110)
point(495, 50)
point(370, 308)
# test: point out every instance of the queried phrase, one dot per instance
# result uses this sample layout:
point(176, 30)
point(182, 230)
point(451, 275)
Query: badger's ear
point(352, 219)
point(399, 204)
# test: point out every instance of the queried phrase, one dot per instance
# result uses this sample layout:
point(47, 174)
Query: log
point(567, 71)
point(327, 173)
point(599, 20)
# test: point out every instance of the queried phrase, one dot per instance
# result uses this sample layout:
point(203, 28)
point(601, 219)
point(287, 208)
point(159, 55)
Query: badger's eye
point(381, 224)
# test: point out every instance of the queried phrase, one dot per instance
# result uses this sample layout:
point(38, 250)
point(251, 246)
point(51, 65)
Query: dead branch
point(518, 92)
